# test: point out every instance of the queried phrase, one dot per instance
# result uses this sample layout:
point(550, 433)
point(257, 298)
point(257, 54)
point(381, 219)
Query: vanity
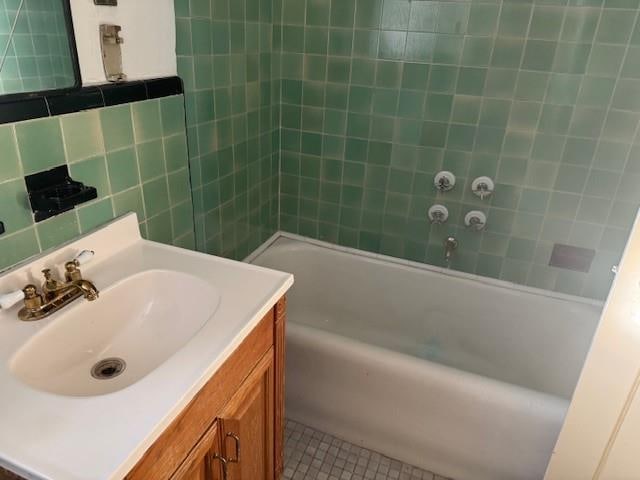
point(172, 368)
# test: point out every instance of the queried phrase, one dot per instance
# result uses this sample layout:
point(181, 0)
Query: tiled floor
point(313, 455)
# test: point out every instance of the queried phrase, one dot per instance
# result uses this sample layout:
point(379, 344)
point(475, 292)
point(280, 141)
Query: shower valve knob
point(438, 214)
point(482, 187)
point(475, 220)
point(444, 181)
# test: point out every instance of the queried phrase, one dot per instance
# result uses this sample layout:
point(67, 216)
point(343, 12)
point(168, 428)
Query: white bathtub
point(454, 373)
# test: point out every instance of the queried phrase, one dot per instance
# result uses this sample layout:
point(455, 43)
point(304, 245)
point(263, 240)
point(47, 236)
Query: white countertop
point(48, 436)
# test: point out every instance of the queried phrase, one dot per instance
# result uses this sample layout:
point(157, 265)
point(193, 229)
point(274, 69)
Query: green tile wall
point(38, 57)
point(134, 154)
point(544, 97)
point(225, 59)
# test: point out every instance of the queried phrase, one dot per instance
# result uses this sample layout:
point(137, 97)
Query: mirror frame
point(73, 51)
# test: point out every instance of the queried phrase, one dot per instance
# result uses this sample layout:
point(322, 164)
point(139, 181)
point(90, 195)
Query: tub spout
point(450, 244)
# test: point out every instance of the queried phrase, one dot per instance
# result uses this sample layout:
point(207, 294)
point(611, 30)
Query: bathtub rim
point(425, 267)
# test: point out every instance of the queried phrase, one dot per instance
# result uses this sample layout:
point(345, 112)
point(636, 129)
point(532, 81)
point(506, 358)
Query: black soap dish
point(54, 192)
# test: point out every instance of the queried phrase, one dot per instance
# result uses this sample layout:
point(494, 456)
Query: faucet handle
point(9, 299)
point(83, 257)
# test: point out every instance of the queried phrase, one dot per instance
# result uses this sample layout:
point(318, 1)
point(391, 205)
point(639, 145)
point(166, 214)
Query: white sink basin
point(133, 327)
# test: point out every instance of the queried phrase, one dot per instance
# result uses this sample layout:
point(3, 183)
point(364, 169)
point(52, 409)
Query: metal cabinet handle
point(237, 441)
point(215, 456)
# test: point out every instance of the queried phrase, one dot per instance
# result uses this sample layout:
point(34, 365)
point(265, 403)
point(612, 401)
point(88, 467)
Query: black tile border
point(87, 98)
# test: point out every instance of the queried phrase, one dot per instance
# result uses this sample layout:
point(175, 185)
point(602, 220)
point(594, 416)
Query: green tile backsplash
point(225, 59)
point(134, 155)
point(544, 97)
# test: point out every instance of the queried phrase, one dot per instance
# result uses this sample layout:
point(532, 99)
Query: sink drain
point(108, 368)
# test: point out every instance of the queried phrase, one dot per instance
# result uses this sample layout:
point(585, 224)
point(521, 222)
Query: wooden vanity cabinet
point(234, 427)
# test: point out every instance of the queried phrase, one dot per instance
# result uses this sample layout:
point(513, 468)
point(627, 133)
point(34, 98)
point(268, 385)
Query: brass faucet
point(56, 294)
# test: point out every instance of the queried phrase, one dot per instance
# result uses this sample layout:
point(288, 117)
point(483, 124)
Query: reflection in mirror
point(35, 46)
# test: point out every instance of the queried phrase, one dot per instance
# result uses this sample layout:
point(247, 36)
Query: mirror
point(37, 47)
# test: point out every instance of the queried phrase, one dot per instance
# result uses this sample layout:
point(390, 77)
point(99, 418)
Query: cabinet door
point(204, 461)
point(247, 426)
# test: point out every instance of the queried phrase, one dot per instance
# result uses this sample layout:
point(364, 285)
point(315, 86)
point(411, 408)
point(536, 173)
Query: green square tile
point(571, 178)
point(129, 201)
point(182, 219)
point(512, 171)
point(420, 46)
point(392, 44)
point(117, 127)
point(159, 228)
point(514, 19)
point(580, 24)
point(415, 75)
point(615, 26)
point(501, 82)
point(466, 109)
point(146, 120)
point(524, 115)
point(452, 18)
point(483, 19)
point(342, 13)
point(593, 209)
point(95, 214)
point(555, 118)
point(82, 135)
point(596, 91)
point(507, 52)
point(395, 15)
point(201, 36)
point(563, 89)
point(521, 249)
point(531, 85)
point(9, 154)
point(579, 151)
point(17, 247)
point(338, 69)
point(539, 55)
point(410, 104)
point(423, 16)
point(388, 74)
point(477, 51)
point(199, 8)
point(571, 57)
point(605, 60)
point(175, 152)
point(443, 78)
point(172, 111)
point(57, 230)
point(602, 183)
point(546, 22)
point(93, 172)
point(368, 13)
point(151, 159)
point(471, 81)
point(15, 210)
point(123, 169)
point(317, 12)
point(495, 112)
point(156, 196)
point(448, 49)
point(438, 107)
point(533, 201)
point(40, 144)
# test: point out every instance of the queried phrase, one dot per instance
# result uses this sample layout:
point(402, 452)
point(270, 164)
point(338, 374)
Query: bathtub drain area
point(314, 455)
